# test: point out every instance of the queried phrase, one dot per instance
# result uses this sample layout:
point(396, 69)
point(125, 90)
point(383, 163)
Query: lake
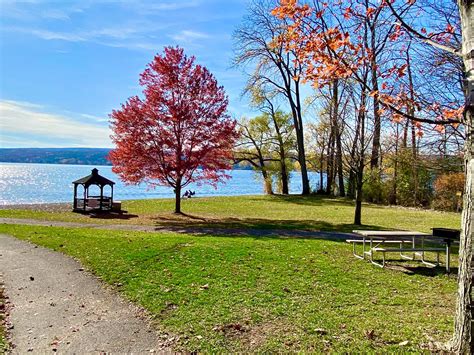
point(46, 183)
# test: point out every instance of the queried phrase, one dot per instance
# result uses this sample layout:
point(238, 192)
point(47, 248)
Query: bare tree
point(253, 148)
point(256, 44)
point(462, 341)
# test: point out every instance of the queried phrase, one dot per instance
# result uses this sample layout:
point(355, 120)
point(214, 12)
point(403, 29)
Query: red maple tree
point(179, 132)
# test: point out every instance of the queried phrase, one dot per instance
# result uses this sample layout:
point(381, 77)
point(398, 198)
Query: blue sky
point(64, 65)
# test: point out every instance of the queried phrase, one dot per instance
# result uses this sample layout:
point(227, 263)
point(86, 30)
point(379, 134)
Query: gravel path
point(57, 306)
point(338, 236)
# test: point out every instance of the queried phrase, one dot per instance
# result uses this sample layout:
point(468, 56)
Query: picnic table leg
point(363, 248)
point(371, 252)
point(403, 256)
point(422, 247)
point(423, 255)
point(448, 257)
point(354, 251)
point(413, 245)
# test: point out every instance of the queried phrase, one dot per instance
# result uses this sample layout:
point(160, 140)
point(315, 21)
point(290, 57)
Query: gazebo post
point(111, 196)
point(86, 193)
point(101, 196)
point(75, 197)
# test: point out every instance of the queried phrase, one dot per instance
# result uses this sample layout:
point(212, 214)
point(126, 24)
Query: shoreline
point(46, 206)
point(30, 205)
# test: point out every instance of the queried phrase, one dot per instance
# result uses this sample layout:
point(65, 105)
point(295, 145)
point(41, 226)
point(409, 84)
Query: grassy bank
point(246, 294)
point(278, 212)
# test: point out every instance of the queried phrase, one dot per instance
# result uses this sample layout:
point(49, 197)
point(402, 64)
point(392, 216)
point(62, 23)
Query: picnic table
point(402, 242)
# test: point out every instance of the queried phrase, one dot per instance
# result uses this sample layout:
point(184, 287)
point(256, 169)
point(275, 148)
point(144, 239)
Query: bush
point(375, 187)
point(408, 181)
point(448, 190)
point(414, 182)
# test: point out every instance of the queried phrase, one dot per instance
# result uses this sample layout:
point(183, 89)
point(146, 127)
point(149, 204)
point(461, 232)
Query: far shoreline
point(93, 165)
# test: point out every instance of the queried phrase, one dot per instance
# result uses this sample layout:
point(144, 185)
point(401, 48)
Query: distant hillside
point(83, 156)
point(79, 156)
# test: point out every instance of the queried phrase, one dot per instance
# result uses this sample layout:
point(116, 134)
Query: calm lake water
point(45, 183)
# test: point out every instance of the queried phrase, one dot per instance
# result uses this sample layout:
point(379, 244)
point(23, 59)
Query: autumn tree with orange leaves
point(315, 30)
point(179, 132)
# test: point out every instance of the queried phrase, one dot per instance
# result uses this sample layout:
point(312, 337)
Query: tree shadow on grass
point(418, 268)
point(257, 227)
point(124, 215)
point(311, 200)
point(185, 216)
point(187, 220)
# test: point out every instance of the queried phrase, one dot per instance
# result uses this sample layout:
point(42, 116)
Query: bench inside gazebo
point(86, 201)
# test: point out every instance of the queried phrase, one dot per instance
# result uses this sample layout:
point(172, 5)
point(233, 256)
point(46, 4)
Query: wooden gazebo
point(88, 202)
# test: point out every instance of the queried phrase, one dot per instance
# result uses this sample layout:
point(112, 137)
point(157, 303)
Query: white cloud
point(95, 118)
point(63, 36)
point(26, 121)
point(147, 6)
point(55, 14)
point(132, 37)
point(79, 36)
point(189, 36)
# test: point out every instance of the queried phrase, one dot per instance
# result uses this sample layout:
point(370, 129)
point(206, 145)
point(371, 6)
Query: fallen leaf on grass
point(370, 334)
point(232, 326)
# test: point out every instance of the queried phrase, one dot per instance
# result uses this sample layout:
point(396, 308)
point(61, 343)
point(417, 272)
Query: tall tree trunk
point(405, 134)
point(393, 196)
point(301, 152)
point(351, 189)
point(411, 112)
point(284, 174)
point(351, 184)
point(462, 341)
point(282, 153)
point(337, 136)
point(267, 182)
point(330, 163)
point(375, 158)
point(359, 174)
point(302, 161)
point(321, 168)
point(298, 124)
point(414, 170)
point(267, 178)
point(177, 194)
point(340, 170)
point(358, 206)
point(301, 148)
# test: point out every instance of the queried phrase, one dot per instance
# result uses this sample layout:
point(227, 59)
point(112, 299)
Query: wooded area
point(337, 84)
point(389, 87)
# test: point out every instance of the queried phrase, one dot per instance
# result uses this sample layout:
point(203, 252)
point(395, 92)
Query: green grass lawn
point(278, 212)
point(248, 294)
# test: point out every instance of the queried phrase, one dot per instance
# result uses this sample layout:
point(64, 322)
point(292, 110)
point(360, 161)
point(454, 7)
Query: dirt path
point(57, 306)
point(187, 229)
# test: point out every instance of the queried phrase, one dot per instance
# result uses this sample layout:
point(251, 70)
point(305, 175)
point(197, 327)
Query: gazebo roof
point(94, 179)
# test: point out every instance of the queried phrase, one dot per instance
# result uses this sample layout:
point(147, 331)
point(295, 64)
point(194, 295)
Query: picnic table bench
point(408, 242)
